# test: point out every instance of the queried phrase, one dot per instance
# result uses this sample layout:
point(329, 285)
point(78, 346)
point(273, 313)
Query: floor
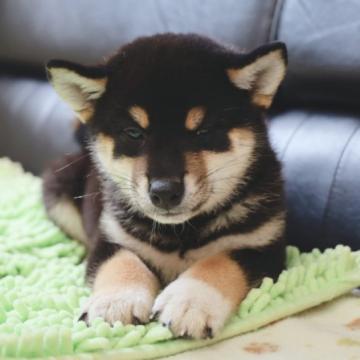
point(328, 332)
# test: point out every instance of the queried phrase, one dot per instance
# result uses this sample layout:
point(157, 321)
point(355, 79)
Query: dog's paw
point(192, 308)
point(128, 305)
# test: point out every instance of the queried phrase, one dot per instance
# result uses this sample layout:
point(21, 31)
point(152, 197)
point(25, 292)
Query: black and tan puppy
point(177, 191)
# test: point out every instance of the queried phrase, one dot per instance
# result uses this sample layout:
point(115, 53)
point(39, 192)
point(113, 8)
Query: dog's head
point(176, 120)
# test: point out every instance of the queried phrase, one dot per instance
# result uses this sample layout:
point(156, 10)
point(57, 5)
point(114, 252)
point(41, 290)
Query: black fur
point(167, 75)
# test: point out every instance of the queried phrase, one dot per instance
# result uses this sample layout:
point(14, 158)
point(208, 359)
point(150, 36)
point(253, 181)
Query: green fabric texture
point(42, 288)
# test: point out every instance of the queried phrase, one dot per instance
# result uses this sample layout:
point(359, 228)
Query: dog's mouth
point(177, 215)
point(190, 205)
point(170, 216)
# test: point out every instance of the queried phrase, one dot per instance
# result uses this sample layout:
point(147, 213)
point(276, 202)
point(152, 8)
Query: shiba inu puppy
point(177, 192)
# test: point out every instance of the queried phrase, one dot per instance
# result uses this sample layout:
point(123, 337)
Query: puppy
point(177, 192)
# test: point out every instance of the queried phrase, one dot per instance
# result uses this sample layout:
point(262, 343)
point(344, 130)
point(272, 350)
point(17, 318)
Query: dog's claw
point(84, 317)
point(154, 316)
point(137, 321)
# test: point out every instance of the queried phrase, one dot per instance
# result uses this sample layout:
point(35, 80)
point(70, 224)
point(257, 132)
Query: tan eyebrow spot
point(140, 116)
point(194, 117)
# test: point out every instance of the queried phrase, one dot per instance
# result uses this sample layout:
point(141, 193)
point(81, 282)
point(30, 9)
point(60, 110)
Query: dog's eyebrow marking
point(139, 115)
point(194, 117)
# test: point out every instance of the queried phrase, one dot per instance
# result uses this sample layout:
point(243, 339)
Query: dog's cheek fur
point(195, 180)
point(120, 170)
point(226, 169)
point(129, 173)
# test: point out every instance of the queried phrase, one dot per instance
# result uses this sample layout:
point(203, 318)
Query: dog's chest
point(167, 264)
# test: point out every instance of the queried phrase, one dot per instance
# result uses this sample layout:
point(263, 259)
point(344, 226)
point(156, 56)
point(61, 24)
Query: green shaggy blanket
point(42, 288)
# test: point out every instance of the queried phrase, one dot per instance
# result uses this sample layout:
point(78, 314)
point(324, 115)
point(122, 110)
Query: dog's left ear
point(78, 85)
point(261, 72)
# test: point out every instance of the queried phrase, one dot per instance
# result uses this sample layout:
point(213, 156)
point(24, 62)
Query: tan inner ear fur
point(77, 91)
point(222, 273)
point(194, 117)
point(262, 77)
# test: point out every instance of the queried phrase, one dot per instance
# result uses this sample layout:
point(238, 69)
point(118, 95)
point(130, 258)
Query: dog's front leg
point(124, 288)
point(198, 303)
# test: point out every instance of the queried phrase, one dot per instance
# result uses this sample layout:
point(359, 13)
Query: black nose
point(166, 193)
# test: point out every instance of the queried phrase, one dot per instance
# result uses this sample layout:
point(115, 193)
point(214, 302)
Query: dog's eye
point(134, 133)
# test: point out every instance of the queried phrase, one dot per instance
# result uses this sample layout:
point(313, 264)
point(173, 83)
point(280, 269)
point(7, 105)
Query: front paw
point(128, 305)
point(192, 308)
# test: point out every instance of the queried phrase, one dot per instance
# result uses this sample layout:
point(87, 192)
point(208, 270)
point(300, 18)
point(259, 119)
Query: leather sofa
point(314, 124)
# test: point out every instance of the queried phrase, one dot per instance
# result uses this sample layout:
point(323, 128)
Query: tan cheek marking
point(222, 273)
point(195, 165)
point(125, 269)
point(105, 148)
point(106, 144)
point(140, 116)
point(194, 118)
point(139, 178)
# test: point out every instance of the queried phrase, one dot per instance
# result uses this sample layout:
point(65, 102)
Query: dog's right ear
point(79, 86)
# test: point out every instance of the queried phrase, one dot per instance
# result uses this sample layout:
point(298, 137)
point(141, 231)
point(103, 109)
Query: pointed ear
point(261, 73)
point(79, 86)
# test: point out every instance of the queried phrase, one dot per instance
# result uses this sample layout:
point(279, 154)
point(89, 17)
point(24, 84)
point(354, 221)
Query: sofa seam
point(275, 20)
point(291, 137)
point(326, 212)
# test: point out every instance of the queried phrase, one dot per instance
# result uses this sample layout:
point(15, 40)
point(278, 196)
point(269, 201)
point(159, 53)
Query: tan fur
point(210, 178)
point(77, 91)
point(104, 149)
point(194, 118)
point(262, 100)
point(238, 211)
point(140, 116)
point(124, 269)
point(120, 169)
point(85, 115)
point(195, 165)
point(67, 216)
point(127, 172)
point(222, 273)
point(224, 170)
point(262, 77)
point(171, 264)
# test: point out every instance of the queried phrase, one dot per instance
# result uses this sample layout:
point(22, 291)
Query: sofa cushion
point(323, 40)
point(320, 155)
point(35, 126)
point(86, 30)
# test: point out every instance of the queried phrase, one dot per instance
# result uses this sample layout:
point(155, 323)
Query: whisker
point(87, 195)
point(71, 163)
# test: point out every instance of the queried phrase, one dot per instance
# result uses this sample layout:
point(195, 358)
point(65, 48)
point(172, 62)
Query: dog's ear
point(79, 86)
point(261, 72)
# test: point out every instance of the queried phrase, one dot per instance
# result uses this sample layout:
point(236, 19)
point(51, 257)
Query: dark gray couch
point(314, 124)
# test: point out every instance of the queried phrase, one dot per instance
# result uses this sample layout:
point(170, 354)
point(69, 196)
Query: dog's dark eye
point(134, 133)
